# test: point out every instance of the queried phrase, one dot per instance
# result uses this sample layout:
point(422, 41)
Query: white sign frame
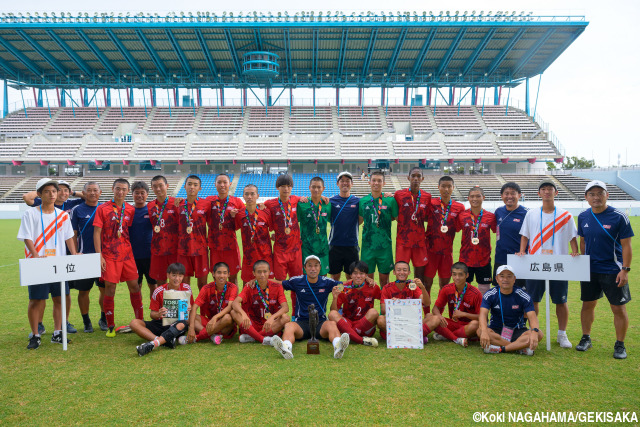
point(404, 323)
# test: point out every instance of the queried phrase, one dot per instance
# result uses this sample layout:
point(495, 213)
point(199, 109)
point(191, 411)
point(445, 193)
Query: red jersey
point(164, 243)
point(157, 298)
point(108, 217)
point(476, 255)
point(223, 239)
point(356, 302)
point(194, 243)
point(260, 247)
point(413, 212)
point(278, 223)
point(439, 242)
point(212, 301)
point(253, 305)
point(471, 300)
point(391, 291)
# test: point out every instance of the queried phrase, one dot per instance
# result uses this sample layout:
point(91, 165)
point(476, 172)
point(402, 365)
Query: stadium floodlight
point(174, 76)
point(353, 75)
point(486, 74)
point(309, 75)
point(201, 76)
point(459, 74)
point(370, 74)
point(144, 76)
point(295, 75)
point(157, 76)
point(219, 75)
point(99, 76)
point(385, 75)
point(446, 75)
point(124, 75)
point(403, 74)
point(233, 75)
point(327, 75)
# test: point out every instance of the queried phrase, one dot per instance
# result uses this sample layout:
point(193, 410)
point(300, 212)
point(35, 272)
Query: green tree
point(574, 162)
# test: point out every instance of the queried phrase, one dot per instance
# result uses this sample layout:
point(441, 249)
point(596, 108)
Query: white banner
point(35, 271)
point(551, 267)
point(404, 323)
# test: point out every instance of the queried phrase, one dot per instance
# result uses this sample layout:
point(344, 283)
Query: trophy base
point(313, 347)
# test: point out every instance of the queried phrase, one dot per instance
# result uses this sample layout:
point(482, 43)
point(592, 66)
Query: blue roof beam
point(207, 54)
point(556, 53)
point(369, 54)
point(44, 53)
point(70, 52)
point(504, 52)
point(423, 52)
point(124, 52)
point(287, 52)
point(184, 62)
point(450, 52)
point(152, 53)
point(98, 53)
point(232, 51)
point(258, 38)
point(396, 52)
point(342, 53)
point(31, 66)
point(314, 55)
point(468, 66)
point(532, 51)
point(9, 69)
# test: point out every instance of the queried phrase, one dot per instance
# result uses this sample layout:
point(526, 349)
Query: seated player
point(464, 302)
point(402, 288)
point(154, 330)
point(214, 301)
point(310, 289)
point(260, 311)
point(508, 306)
point(356, 301)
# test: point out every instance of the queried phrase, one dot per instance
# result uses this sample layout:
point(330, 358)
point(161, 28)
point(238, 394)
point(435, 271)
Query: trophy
point(313, 346)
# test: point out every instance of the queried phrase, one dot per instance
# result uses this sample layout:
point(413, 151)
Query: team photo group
point(305, 244)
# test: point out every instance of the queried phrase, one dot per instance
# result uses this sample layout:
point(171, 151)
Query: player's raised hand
point(370, 281)
point(304, 199)
point(262, 206)
point(233, 212)
point(387, 194)
point(419, 283)
point(177, 201)
point(336, 291)
point(325, 200)
point(251, 284)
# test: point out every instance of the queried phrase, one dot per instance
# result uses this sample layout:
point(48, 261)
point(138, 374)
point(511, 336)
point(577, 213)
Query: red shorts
point(287, 263)
point(454, 325)
point(246, 273)
point(205, 320)
point(159, 264)
point(363, 327)
point(120, 271)
point(197, 266)
point(231, 258)
point(417, 256)
point(440, 263)
point(258, 327)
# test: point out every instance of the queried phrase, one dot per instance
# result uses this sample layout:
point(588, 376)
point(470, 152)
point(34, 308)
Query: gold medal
point(267, 315)
point(119, 234)
point(156, 228)
point(189, 230)
point(475, 241)
point(317, 230)
point(412, 286)
point(287, 230)
point(340, 287)
point(220, 226)
point(444, 229)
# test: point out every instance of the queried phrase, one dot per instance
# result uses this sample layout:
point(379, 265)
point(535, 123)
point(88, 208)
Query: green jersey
point(313, 228)
point(377, 215)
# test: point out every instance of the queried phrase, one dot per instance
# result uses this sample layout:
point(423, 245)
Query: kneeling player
point(260, 311)
point(358, 317)
point(464, 302)
point(402, 288)
point(214, 301)
point(153, 330)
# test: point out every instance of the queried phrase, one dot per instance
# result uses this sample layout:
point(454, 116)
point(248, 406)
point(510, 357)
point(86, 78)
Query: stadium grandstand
point(78, 117)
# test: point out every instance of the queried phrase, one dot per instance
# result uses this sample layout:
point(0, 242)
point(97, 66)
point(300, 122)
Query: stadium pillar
point(221, 96)
point(176, 95)
point(58, 96)
point(81, 97)
point(199, 96)
point(244, 96)
point(495, 96)
point(63, 98)
point(474, 94)
point(108, 97)
point(526, 98)
point(429, 89)
point(405, 97)
point(452, 94)
point(85, 101)
point(152, 92)
point(131, 104)
point(382, 96)
point(314, 101)
point(268, 100)
point(5, 100)
point(35, 97)
point(360, 97)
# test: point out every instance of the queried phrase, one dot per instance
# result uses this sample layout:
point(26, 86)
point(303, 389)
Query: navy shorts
point(143, 265)
point(517, 333)
point(306, 332)
point(558, 290)
point(482, 275)
point(604, 284)
point(43, 291)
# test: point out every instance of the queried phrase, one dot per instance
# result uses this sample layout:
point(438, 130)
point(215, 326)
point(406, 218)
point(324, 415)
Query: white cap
point(596, 183)
point(345, 173)
point(61, 182)
point(312, 257)
point(503, 268)
point(44, 181)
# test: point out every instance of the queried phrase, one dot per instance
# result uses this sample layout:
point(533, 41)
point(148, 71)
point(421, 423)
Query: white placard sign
point(35, 271)
point(551, 267)
point(404, 323)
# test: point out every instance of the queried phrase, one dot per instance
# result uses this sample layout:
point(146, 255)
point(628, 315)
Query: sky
point(584, 97)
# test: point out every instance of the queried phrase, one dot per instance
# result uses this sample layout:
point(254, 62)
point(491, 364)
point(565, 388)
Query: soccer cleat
point(71, 329)
point(371, 342)
point(57, 338)
point(619, 351)
point(462, 341)
point(278, 344)
point(564, 341)
point(438, 337)
point(183, 340)
point(145, 348)
point(245, 338)
point(216, 339)
point(103, 325)
point(584, 344)
point(266, 341)
point(34, 343)
point(342, 346)
point(425, 340)
point(171, 343)
point(526, 351)
point(111, 332)
point(125, 329)
point(492, 349)
point(88, 328)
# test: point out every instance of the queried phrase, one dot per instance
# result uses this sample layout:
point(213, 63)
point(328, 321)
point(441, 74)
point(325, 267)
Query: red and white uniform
point(116, 250)
point(157, 298)
point(355, 303)
point(256, 244)
point(440, 245)
point(192, 247)
point(287, 248)
point(476, 255)
point(253, 305)
point(164, 244)
point(391, 291)
point(413, 213)
point(211, 302)
point(449, 295)
point(223, 243)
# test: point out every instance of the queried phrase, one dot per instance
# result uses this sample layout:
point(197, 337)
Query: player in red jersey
point(253, 224)
point(356, 299)
point(475, 251)
point(464, 303)
point(402, 288)
point(223, 243)
point(154, 331)
point(111, 239)
point(414, 207)
point(165, 220)
point(192, 232)
point(214, 301)
point(260, 311)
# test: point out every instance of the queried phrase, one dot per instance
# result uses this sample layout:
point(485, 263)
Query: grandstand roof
point(205, 50)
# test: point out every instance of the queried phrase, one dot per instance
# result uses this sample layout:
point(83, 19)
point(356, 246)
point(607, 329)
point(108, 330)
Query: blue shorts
point(558, 290)
point(43, 291)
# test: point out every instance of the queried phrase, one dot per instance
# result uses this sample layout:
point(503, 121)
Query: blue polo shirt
point(310, 293)
point(344, 221)
point(602, 234)
point(82, 217)
point(508, 232)
point(510, 307)
point(66, 206)
point(140, 234)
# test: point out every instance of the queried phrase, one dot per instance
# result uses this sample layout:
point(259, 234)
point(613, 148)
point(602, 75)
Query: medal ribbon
point(460, 297)
point(445, 212)
point(377, 208)
point(164, 205)
point(286, 213)
point(476, 223)
point(416, 204)
point(221, 300)
point(265, 301)
point(354, 286)
point(316, 218)
point(189, 212)
point(252, 225)
point(44, 235)
point(115, 210)
point(224, 209)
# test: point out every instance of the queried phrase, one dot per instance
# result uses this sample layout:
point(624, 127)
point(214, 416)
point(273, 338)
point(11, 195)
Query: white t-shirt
point(565, 231)
point(31, 228)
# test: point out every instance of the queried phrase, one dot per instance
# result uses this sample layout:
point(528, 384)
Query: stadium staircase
point(565, 188)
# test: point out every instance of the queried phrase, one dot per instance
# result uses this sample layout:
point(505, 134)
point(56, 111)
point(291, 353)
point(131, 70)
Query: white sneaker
point(266, 341)
point(245, 338)
point(492, 349)
point(564, 342)
point(182, 340)
point(372, 342)
point(438, 337)
point(462, 341)
point(278, 344)
point(526, 351)
point(342, 346)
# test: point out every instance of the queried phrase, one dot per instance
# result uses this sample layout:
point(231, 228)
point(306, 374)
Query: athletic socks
point(425, 330)
point(445, 332)
point(109, 306)
point(343, 326)
point(460, 333)
point(335, 342)
point(383, 334)
point(102, 315)
point(251, 331)
point(85, 319)
point(202, 335)
point(155, 342)
point(136, 303)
